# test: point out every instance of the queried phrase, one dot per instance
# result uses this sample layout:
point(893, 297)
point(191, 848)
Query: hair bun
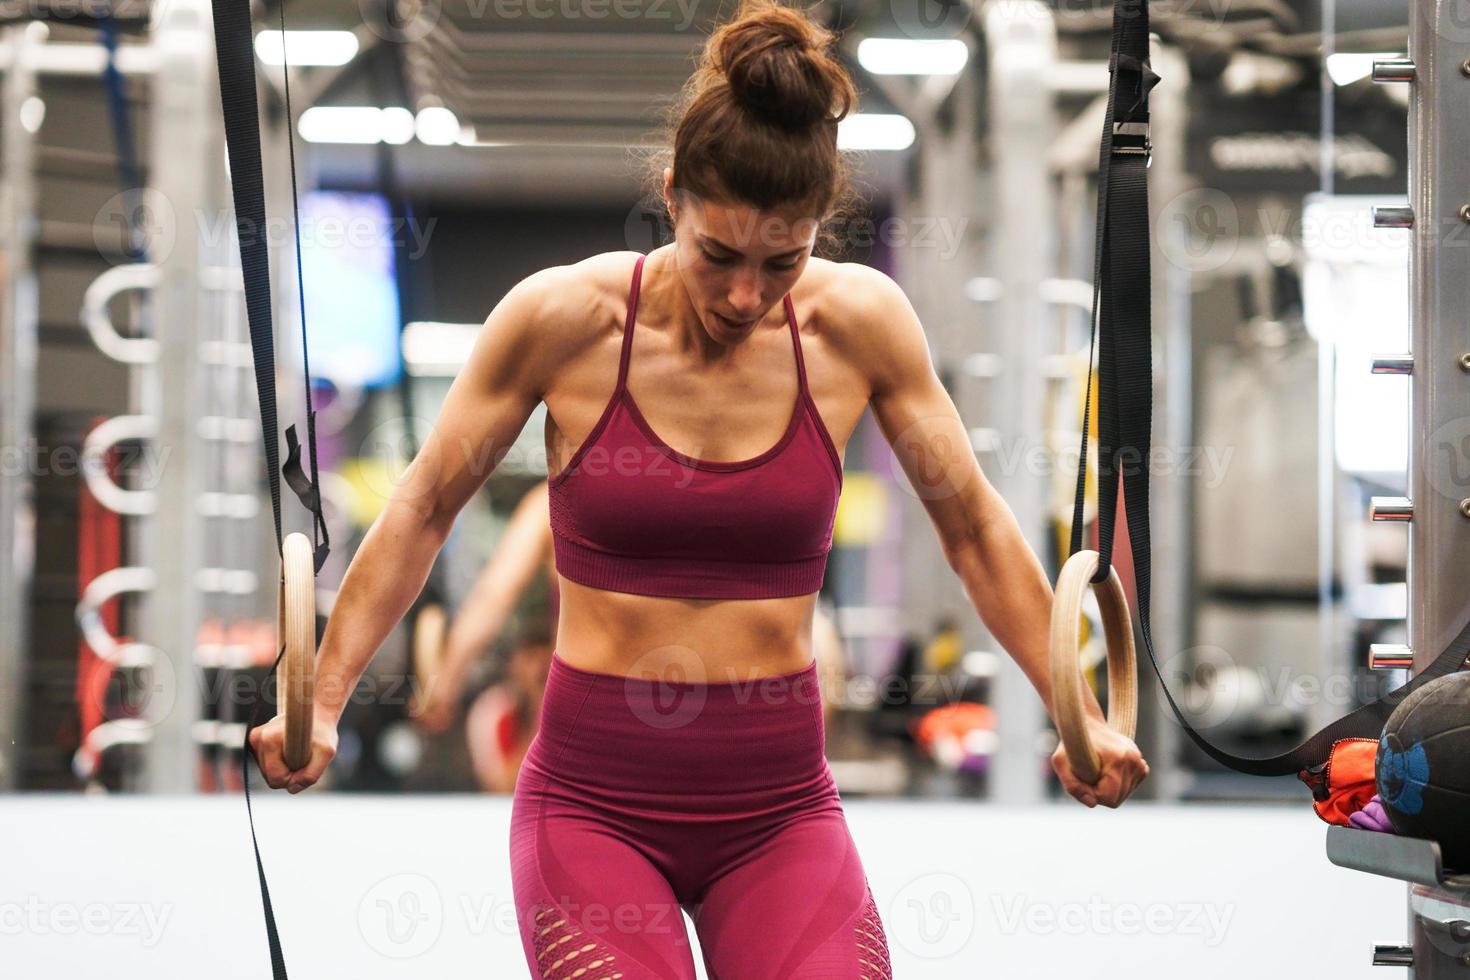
point(775, 62)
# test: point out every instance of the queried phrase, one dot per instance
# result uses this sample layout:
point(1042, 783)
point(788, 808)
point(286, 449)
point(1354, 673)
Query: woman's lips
point(734, 324)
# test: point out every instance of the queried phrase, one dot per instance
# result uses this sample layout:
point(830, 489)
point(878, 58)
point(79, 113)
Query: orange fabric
point(953, 720)
point(1350, 780)
point(1122, 558)
point(99, 549)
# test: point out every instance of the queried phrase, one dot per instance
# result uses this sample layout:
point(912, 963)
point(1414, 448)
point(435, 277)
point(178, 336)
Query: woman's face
point(736, 261)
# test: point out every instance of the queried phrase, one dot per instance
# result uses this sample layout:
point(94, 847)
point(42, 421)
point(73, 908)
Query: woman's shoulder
point(581, 286)
point(842, 292)
point(604, 271)
point(576, 305)
point(850, 305)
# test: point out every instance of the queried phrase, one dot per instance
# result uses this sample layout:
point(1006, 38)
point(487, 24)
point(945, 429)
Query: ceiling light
point(436, 126)
point(328, 48)
point(875, 131)
point(905, 56)
point(356, 124)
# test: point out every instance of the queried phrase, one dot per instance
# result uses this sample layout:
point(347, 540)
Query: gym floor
point(387, 887)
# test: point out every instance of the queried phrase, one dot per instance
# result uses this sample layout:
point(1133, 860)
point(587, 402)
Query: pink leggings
point(640, 798)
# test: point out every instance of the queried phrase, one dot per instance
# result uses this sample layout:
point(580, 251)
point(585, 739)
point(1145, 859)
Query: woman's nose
point(745, 294)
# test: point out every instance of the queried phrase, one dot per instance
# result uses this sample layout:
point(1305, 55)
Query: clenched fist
point(1119, 761)
point(268, 743)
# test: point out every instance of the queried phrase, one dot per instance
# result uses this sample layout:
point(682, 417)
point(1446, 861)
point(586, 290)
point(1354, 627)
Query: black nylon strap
point(272, 937)
point(235, 57)
point(306, 489)
point(236, 60)
point(1121, 314)
point(306, 492)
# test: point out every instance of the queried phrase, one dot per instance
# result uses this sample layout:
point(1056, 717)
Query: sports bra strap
point(628, 325)
point(796, 342)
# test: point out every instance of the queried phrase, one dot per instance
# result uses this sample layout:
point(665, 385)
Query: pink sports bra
point(631, 514)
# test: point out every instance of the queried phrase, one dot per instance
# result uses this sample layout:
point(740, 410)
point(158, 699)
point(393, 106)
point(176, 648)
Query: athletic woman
point(699, 400)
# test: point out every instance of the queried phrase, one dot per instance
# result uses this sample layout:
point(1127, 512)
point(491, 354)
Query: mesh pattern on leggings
point(872, 944)
point(565, 952)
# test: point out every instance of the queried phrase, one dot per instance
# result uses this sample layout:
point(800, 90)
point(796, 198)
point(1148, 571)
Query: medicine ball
point(1423, 767)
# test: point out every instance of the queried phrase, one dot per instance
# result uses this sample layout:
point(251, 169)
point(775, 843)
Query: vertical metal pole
point(1172, 492)
point(1439, 323)
point(1021, 38)
point(184, 110)
point(19, 313)
point(1439, 315)
point(929, 588)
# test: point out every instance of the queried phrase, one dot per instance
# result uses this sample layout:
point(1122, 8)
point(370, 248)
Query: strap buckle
point(1132, 139)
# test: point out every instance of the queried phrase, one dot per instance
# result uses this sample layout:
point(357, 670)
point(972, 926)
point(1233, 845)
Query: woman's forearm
point(385, 576)
point(1007, 584)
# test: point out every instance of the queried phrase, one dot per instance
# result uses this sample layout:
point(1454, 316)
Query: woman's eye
point(727, 260)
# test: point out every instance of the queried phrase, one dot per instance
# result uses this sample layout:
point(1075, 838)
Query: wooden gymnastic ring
point(1066, 662)
point(429, 629)
point(296, 675)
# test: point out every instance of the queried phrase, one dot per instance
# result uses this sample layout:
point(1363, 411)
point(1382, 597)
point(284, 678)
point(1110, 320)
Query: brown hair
point(756, 123)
